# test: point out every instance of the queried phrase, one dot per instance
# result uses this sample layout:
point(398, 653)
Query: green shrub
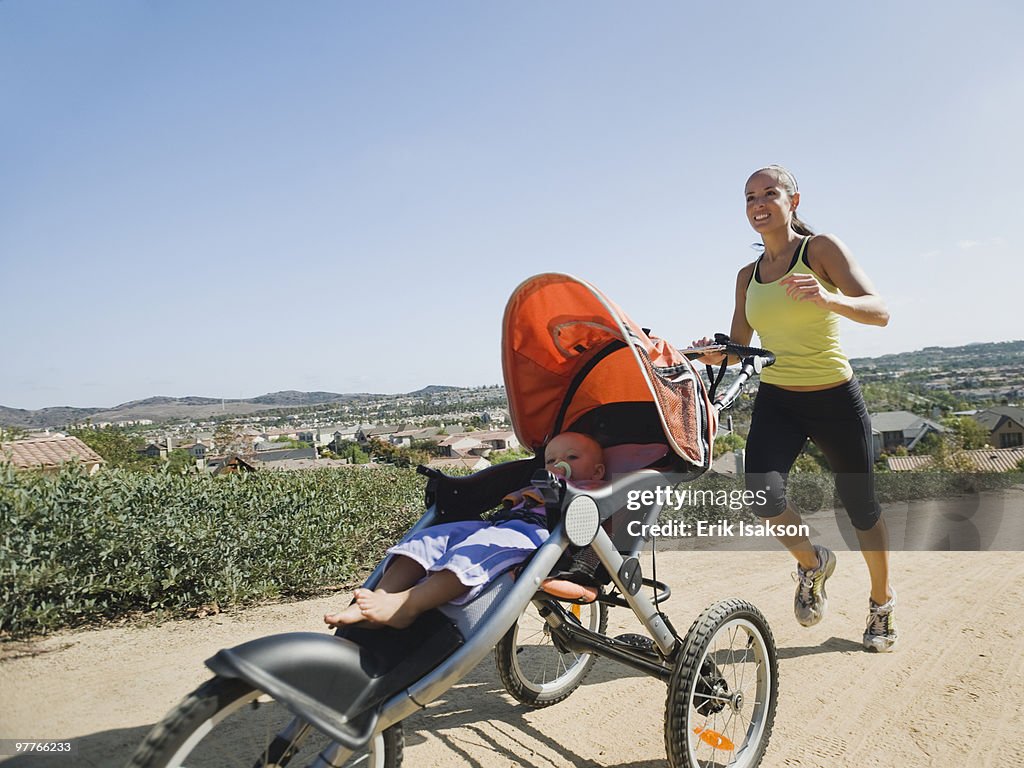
point(77, 548)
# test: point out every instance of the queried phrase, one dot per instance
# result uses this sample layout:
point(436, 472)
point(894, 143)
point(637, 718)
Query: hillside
point(1000, 353)
point(971, 373)
point(169, 408)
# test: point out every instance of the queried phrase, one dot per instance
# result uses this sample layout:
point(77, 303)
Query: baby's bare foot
point(351, 615)
point(392, 609)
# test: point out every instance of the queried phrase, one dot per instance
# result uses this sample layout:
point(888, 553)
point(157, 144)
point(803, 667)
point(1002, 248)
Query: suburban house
point(894, 429)
point(195, 450)
point(153, 450)
point(270, 435)
point(498, 440)
point(160, 449)
point(338, 436)
point(479, 443)
point(1005, 425)
point(325, 435)
point(49, 453)
point(366, 434)
point(496, 416)
point(406, 437)
point(455, 446)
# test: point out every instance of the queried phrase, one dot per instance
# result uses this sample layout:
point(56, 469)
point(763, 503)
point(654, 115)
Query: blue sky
point(231, 198)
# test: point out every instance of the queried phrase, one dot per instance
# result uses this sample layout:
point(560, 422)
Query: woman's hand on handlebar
point(711, 357)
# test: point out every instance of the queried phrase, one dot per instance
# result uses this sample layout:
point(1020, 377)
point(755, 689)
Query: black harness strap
point(612, 346)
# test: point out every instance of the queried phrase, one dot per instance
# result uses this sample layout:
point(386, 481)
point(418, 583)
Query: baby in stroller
point(579, 375)
point(453, 562)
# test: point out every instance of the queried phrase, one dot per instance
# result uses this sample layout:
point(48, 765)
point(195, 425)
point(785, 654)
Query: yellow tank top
point(803, 336)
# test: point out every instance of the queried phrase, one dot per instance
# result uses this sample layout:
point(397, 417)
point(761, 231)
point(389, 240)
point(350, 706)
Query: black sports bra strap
point(802, 250)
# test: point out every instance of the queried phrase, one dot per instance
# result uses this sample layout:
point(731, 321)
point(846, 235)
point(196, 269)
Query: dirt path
point(952, 695)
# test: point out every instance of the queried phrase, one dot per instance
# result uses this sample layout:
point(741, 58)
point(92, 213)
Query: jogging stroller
point(573, 361)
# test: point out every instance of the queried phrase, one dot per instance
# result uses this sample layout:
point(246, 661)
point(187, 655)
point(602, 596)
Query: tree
point(226, 438)
point(349, 449)
point(811, 459)
point(970, 432)
point(180, 461)
point(115, 445)
point(12, 433)
point(931, 444)
point(729, 442)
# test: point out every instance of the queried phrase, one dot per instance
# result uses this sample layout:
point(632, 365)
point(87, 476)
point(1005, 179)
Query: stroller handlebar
point(749, 366)
point(752, 361)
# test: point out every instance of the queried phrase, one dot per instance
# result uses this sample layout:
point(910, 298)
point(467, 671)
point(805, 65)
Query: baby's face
point(580, 452)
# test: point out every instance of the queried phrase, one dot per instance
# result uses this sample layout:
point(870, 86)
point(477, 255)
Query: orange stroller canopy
point(568, 350)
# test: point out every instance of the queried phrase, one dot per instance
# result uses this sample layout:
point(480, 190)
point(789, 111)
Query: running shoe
point(880, 634)
point(811, 600)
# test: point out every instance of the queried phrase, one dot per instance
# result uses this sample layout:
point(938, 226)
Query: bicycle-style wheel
point(723, 690)
point(533, 669)
point(226, 723)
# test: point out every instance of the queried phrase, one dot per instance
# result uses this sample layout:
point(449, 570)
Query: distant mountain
point(292, 398)
point(432, 389)
point(978, 354)
point(159, 401)
point(44, 417)
point(164, 408)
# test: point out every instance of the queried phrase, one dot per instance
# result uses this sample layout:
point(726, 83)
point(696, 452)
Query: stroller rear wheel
point(533, 669)
point(227, 722)
point(723, 690)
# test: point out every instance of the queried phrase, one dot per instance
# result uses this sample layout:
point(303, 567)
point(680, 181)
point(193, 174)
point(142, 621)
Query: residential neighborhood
point(249, 448)
point(919, 401)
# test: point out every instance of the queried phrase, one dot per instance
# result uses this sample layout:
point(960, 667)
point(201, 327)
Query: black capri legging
point(837, 420)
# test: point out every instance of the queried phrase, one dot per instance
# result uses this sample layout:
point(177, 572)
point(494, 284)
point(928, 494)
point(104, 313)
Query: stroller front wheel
point(533, 669)
point(723, 690)
point(226, 722)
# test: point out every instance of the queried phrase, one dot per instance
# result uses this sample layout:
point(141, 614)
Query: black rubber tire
point(224, 697)
point(575, 667)
point(687, 689)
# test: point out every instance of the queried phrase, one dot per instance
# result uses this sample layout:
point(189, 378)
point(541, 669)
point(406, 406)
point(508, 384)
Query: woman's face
point(769, 205)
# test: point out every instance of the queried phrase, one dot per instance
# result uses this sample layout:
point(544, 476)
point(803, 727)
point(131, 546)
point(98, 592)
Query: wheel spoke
point(730, 675)
point(533, 667)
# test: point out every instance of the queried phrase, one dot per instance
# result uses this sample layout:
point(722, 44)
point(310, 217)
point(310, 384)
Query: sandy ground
point(952, 695)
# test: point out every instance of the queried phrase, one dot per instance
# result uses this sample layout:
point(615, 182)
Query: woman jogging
point(793, 296)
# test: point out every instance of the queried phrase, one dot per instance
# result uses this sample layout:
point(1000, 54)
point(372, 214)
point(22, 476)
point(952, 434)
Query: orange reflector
point(575, 611)
point(714, 739)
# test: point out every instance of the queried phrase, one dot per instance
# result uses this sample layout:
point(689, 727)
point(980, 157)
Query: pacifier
point(566, 469)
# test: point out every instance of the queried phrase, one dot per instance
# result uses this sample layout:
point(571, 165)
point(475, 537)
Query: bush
point(78, 548)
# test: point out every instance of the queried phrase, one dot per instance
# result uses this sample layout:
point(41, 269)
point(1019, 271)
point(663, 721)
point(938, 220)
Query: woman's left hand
point(803, 287)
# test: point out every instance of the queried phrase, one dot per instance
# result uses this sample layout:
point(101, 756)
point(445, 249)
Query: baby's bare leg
point(400, 609)
point(401, 574)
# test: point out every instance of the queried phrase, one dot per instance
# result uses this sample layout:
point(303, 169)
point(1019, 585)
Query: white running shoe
point(811, 599)
point(881, 634)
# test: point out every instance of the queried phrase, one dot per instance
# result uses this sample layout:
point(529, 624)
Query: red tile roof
point(984, 459)
point(47, 452)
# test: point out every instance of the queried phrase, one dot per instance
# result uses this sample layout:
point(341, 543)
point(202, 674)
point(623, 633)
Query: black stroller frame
point(347, 694)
